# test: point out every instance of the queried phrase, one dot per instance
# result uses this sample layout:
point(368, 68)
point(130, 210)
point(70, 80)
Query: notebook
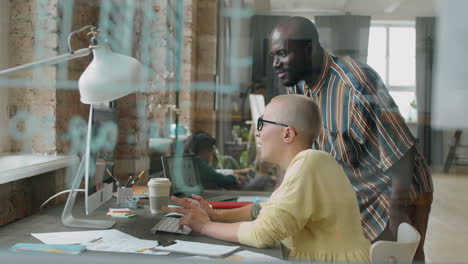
point(228, 205)
point(67, 249)
point(199, 249)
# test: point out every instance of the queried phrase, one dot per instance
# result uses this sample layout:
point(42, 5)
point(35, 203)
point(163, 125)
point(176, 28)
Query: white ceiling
point(378, 9)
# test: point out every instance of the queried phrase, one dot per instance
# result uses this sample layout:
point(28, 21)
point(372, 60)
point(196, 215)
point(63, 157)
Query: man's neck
point(314, 75)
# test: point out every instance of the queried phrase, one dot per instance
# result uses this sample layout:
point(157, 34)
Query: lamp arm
point(49, 61)
point(78, 31)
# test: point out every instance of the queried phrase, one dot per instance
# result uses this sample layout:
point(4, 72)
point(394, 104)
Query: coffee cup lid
point(159, 180)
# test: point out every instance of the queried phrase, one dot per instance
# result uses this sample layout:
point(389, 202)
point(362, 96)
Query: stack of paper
point(244, 256)
point(140, 191)
point(121, 212)
point(196, 248)
point(67, 249)
point(103, 240)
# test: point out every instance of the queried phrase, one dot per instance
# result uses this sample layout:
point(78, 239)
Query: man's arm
point(242, 171)
point(401, 174)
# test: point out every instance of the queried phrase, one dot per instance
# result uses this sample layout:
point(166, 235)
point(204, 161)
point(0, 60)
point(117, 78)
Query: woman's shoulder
point(310, 160)
point(313, 156)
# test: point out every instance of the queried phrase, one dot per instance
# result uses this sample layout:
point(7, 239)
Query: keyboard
point(170, 225)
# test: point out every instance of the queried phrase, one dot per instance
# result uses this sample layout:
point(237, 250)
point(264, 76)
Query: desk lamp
point(108, 77)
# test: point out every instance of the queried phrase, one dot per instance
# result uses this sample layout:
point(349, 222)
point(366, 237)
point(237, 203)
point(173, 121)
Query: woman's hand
point(193, 215)
point(204, 205)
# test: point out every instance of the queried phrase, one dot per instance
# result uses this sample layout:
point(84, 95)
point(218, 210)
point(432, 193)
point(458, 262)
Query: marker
point(114, 178)
point(139, 175)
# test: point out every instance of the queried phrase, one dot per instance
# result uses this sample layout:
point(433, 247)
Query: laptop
point(186, 180)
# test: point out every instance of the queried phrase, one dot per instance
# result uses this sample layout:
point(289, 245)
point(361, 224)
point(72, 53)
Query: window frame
point(387, 25)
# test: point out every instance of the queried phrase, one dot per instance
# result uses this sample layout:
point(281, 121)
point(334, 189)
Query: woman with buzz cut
point(313, 213)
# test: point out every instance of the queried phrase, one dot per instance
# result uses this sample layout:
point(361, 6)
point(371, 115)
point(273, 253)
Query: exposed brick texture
point(21, 198)
point(54, 106)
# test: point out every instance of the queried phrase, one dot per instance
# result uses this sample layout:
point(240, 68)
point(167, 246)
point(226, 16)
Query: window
point(392, 53)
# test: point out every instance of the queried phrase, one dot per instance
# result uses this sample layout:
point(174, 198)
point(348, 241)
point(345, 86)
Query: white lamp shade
point(108, 77)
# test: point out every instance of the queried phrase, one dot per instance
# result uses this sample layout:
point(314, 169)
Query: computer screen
point(183, 173)
point(99, 185)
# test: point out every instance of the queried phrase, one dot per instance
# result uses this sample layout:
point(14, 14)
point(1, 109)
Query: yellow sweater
point(314, 213)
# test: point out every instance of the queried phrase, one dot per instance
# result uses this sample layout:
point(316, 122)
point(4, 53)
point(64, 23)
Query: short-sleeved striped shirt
point(364, 131)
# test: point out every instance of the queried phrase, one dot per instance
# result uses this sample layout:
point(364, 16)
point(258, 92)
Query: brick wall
point(4, 32)
point(206, 33)
point(23, 197)
point(31, 33)
point(68, 105)
point(132, 154)
point(53, 107)
point(41, 111)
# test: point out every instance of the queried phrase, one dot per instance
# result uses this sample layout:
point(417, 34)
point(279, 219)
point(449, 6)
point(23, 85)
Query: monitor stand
point(67, 215)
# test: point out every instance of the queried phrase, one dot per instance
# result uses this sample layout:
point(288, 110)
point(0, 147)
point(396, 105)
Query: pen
point(114, 178)
point(128, 181)
point(94, 240)
point(136, 179)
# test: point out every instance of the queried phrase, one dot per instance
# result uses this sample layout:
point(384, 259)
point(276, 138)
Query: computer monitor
point(183, 173)
point(101, 138)
point(99, 184)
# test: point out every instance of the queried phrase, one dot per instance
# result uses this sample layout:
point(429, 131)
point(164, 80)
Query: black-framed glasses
point(261, 121)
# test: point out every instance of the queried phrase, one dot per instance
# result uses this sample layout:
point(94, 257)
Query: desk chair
point(401, 251)
point(454, 156)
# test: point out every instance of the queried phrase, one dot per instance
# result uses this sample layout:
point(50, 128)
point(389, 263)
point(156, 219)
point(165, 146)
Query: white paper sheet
point(126, 245)
point(199, 249)
point(244, 256)
point(79, 237)
point(108, 240)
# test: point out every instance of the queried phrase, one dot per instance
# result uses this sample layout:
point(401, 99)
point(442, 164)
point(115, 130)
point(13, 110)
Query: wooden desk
point(49, 220)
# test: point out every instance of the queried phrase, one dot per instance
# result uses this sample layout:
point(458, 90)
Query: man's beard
point(293, 77)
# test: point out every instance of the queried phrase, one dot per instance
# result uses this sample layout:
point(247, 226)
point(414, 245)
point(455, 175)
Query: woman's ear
point(288, 135)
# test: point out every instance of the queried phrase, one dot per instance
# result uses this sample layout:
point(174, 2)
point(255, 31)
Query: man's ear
point(312, 48)
point(309, 48)
point(288, 135)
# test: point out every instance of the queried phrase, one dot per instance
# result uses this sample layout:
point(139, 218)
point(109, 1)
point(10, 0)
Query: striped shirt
point(364, 131)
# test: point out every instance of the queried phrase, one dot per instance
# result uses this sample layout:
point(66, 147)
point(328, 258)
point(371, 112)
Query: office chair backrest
point(401, 251)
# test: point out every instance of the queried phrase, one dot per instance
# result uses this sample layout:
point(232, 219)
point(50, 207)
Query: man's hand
point(401, 174)
point(242, 171)
point(398, 215)
point(240, 179)
point(193, 216)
